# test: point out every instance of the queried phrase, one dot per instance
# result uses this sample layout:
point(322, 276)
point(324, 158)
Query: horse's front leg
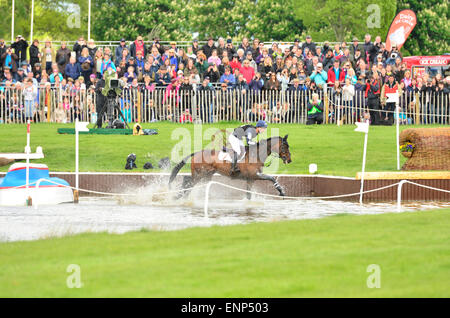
point(277, 186)
point(249, 188)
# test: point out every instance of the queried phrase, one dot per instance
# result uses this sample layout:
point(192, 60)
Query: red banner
point(401, 28)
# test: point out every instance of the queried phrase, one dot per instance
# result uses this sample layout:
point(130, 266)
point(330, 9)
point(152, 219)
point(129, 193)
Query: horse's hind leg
point(185, 187)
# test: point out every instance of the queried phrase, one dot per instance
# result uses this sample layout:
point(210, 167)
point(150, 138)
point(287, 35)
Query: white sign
point(81, 126)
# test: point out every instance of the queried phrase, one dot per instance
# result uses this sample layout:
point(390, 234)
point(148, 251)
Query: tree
point(129, 18)
point(274, 20)
point(431, 34)
point(51, 19)
point(342, 19)
point(227, 18)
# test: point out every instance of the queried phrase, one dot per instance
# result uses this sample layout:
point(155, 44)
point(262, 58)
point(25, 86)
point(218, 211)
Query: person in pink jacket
point(247, 71)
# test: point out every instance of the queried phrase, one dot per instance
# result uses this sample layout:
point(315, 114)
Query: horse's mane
point(265, 141)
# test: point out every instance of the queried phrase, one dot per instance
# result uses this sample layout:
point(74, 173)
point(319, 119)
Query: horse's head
point(283, 150)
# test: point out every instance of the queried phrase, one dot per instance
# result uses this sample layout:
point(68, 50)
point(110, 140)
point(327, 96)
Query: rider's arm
point(249, 139)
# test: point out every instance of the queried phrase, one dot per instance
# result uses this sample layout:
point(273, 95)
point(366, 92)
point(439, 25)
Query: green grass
point(336, 150)
point(307, 258)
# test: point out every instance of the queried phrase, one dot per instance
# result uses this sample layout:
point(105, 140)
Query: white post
point(89, 21)
point(398, 135)
point(399, 195)
point(205, 208)
point(27, 177)
point(76, 154)
point(363, 169)
point(79, 126)
point(12, 21)
point(32, 18)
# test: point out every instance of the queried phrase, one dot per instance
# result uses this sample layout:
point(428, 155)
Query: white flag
point(362, 127)
point(81, 126)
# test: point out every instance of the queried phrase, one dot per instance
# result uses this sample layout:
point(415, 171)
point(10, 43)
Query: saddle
point(227, 154)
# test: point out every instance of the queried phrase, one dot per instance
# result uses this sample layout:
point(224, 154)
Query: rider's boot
point(234, 166)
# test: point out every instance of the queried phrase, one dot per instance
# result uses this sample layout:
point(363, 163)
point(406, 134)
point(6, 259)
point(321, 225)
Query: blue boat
point(41, 187)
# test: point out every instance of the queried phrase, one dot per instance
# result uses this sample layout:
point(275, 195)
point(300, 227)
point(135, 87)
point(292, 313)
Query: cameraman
point(20, 48)
point(393, 55)
point(373, 98)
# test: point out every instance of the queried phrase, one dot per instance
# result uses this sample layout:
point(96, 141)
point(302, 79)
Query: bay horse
point(206, 162)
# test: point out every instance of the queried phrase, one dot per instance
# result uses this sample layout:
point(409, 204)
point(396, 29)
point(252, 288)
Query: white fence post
point(205, 209)
point(399, 195)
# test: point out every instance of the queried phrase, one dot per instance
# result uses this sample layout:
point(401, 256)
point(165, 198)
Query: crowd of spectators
point(250, 66)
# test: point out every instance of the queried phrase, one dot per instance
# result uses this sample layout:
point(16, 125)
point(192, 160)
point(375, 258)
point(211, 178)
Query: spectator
point(29, 93)
point(62, 57)
point(213, 73)
point(201, 64)
point(20, 75)
point(247, 71)
point(272, 83)
point(266, 67)
point(407, 79)
point(335, 73)
point(73, 69)
point(315, 111)
point(350, 75)
point(257, 83)
point(228, 78)
point(391, 87)
point(209, 47)
point(48, 56)
point(214, 58)
point(327, 60)
point(309, 44)
point(87, 63)
point(119, 49)
point(195, 47)
point(355, 46)
point(20, 48)
point(285, 79)
point(10, 60)
point(162, 78)
point(373, 98)
point(37, 72)
point(35, 55)
point(130, 75)
point(235, 63)
point(79, 45)
point(348, 92)
point(319, 76)
point(138, 46)
point(107, 62)
point(2, 51)
point(241, 83)
point(245, 45)
point(98, 60)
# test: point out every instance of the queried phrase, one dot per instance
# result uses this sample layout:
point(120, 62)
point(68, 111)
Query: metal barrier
point(210, 104)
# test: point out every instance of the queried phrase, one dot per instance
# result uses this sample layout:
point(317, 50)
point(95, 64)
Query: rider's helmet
point(261, 124)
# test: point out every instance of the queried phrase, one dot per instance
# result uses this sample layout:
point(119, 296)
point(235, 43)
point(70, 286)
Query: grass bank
point(336, 150)
point(309, 258)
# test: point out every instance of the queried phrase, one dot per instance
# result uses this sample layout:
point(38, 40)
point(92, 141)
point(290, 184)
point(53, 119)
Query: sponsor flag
point(401, 28)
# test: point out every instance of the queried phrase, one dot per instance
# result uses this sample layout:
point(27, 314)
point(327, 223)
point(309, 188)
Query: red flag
point(401, 28)
point(28, 127)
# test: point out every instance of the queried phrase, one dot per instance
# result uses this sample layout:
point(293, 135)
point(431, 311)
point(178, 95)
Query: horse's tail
point(178, 167)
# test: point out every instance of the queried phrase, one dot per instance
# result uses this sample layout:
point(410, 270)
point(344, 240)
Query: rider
point(235, 139)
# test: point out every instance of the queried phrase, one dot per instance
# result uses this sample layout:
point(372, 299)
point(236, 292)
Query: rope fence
point(399, 186)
